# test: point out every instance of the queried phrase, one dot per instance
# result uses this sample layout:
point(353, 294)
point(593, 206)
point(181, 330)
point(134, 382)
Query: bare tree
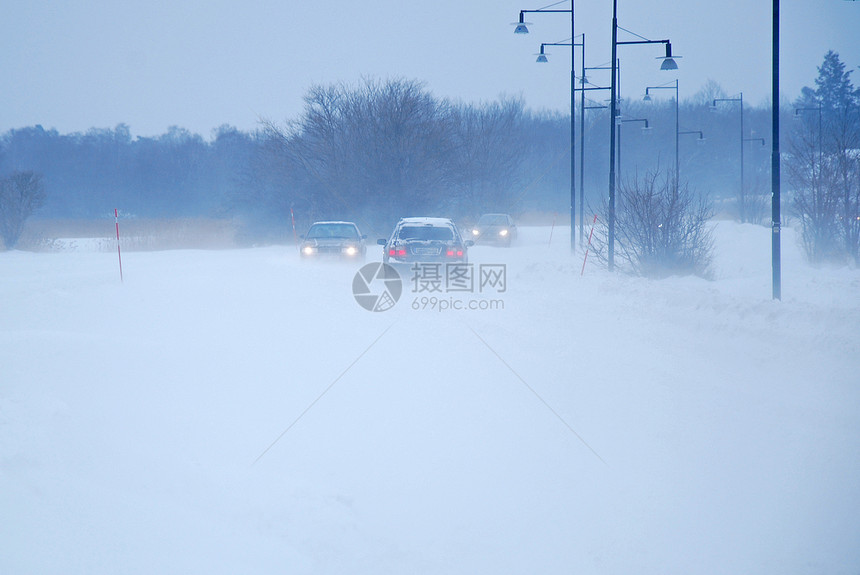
point(20, 195)
point(371, 153)
point(661, 228)
point(825, 165)
point(851, 222)
point(709, 91)
point(489, 152)
point(844, 175)
point(813, 202)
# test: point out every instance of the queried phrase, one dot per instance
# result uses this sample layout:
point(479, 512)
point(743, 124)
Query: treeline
point(380, 150)
point(87, 175)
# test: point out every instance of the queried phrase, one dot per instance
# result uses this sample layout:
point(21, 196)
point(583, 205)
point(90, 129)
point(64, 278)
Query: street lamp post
point(581, 146)
point(645, 129)
point(582, 108)
point(542, 59)
point(677, 125)
point(668, 64)
point(776, 257)
point(740, 100)
point(522, 28)
point(699, 140)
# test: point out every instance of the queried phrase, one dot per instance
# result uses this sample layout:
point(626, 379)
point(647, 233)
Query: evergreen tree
point(834, 90)
point(826, 164)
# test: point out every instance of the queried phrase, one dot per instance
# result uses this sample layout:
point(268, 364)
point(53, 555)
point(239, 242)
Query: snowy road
point(238, 412)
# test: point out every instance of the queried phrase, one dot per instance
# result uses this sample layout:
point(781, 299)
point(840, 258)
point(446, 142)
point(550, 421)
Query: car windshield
point(493, 220)
point(337, 231)
point(426, 233)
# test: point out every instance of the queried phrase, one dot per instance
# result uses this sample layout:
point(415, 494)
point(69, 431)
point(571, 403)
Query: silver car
point(342, 240)
point(425, 240)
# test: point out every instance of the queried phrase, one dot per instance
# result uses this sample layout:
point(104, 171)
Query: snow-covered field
point(224, 412)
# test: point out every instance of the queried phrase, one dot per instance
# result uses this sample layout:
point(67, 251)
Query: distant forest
point(381, 150)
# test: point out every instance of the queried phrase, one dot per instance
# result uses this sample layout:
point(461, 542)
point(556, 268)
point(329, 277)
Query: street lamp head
point(701, 134)
point(668, 60)
point(541, 56)
point(521, 27)
point(647, 97)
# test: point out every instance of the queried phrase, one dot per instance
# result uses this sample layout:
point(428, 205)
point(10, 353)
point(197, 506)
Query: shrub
point(20, 194)
point(661, 229)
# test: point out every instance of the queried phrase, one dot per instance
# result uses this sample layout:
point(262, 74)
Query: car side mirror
point(302, 236)
point(469, 243)
point(382, 241)
point(364, 236)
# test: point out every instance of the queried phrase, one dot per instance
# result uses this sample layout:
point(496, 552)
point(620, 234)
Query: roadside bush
point(661, 229)
point(20, 194)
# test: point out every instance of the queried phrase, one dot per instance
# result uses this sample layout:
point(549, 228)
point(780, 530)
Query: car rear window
point(426, 233)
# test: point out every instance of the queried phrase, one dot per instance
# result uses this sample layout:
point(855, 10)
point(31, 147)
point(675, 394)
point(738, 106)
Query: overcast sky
point(73, 65)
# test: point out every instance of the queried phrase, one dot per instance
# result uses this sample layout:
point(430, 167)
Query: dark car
point(425, 240)
point(498, 229)
point(333, 239)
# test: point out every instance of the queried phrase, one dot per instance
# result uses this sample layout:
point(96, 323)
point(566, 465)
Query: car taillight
point(454, 253)
point(397, 252)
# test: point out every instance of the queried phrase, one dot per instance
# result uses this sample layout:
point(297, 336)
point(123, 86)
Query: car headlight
point(503, 233)
point(308, 250)
point(350, 250)
point(476, 233)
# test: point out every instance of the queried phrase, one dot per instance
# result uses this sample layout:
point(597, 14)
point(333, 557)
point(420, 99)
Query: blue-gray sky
point(78, 64)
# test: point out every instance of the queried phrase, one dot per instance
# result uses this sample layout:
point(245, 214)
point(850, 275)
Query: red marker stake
point(118, 254)
point(293, 218)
